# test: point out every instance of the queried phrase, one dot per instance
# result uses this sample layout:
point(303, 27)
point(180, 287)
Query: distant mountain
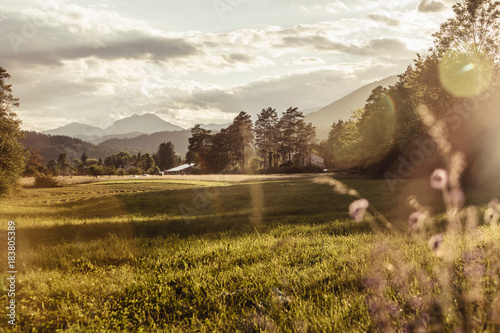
point(147, 123)
point(77, 130)
point(308, 111)
point(50, 146)
point(341, 109)
point(149, 143)
point(100, 139)
point(128, 127)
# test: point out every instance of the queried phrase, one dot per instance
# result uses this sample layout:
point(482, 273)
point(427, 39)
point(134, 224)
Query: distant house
point(317, 160)
point(181, 169)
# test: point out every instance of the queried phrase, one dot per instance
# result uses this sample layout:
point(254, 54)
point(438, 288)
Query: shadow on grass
point(210, 227)
point(208, 212)
point(205, 212)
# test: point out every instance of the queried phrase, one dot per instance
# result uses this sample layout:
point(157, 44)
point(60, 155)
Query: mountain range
point(129, 127)
point(341, 109)
point(145, 132)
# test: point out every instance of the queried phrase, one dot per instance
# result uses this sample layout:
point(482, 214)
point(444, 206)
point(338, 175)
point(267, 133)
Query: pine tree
point(241, 139)
point(288, 126)
point(266, 134)
point(165, 157)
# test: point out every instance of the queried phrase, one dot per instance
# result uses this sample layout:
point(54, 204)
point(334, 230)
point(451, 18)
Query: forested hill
point(149, 143)
point(50, 146)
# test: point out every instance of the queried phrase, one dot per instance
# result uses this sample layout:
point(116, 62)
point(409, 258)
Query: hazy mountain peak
point(147, 123)
point(341, 109)
point(75, 127)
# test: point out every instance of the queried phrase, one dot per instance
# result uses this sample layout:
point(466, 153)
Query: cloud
point(237, 57)
point(304, 89)
point(319, 43)
point(430, 6)
point(305, 61)
point(384, 19)
point(335, 6)
point(330, 7)
point(386, 47)
point(134, 46)
point(50, 44)
point(95, 66)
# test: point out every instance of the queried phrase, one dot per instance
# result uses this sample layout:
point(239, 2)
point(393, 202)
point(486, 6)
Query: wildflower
point(357, 209)
point(492, 214)
point(439, 179)
point(416, 220)
point(436, 243)
point(456, 198)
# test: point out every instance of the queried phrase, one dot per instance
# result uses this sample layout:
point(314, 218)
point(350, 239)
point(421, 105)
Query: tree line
point(243, 146)
point(457, 82)
point(122, 163)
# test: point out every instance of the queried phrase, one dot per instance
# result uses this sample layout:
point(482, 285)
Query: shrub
point(43, 180)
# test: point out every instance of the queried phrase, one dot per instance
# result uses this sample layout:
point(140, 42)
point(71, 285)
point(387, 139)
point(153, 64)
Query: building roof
point(181, 167)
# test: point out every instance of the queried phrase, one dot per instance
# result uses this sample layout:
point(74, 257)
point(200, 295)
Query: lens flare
point(390, 103)
point(468, 67)
point(465, 74)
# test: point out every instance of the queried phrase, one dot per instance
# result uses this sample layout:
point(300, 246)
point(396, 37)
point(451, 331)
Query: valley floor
point(242, 253)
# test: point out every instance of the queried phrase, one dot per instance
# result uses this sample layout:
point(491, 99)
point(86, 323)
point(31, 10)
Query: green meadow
point(243, 254)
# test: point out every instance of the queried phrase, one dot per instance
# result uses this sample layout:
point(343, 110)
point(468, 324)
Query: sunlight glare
point(465, 75)
point(468, 67)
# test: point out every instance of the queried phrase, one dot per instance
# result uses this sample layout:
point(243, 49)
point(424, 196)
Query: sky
point(202, 61)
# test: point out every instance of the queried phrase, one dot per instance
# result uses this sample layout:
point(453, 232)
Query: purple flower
point(416, 220)
point(439, 179)
point(436, 242)
point(357, 209)
point(456, 198)
point(491, 216)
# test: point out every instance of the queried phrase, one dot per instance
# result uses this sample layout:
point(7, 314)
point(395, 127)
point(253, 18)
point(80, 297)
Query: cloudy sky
point(202, 61)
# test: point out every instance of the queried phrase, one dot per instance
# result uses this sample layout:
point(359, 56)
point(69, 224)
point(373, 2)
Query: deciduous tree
point(12, 153)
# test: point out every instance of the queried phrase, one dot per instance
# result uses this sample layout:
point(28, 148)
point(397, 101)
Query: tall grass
point(194, 255)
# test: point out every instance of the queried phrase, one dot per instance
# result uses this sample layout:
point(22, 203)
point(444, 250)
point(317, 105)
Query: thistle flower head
point(436, 243)
point(439, 179)
point(416, 220)
point(357, 209)
point(456, 198)
point(491, 216)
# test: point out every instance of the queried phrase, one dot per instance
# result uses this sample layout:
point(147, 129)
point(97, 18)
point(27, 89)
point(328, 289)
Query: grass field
point(249, 254)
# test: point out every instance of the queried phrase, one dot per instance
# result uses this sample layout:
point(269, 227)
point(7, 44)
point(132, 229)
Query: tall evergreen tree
point(145, 162)
point(12, 153)
point(199, 145)
point(288, 126)
point(219, 157)
point(165, 157)
point(241, 139)
point(84, 158)
point(266, 134)
point(305, 143)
